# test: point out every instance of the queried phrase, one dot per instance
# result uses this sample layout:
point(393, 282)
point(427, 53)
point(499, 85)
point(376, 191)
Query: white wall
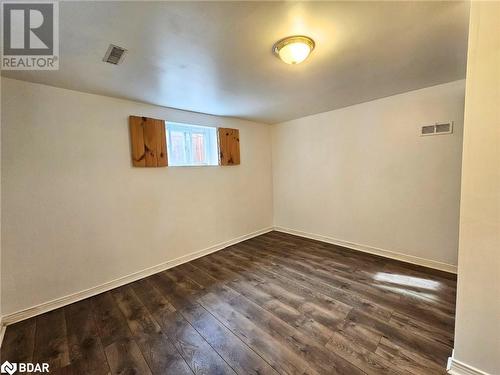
point(75, 212)
point(0, 214)
point(477, 331)
point(363, 175)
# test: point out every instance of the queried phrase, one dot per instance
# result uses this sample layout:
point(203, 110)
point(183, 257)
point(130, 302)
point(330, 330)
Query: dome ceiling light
point(293, 49)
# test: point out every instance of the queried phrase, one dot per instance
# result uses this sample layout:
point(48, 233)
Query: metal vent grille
point(426, 130)
point(443, 128)
point(438, 128)
point(114, 54)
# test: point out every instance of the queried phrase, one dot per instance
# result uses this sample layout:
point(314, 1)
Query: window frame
point(210, 136)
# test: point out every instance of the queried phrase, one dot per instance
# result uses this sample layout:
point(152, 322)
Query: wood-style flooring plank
point(156, 347)
point(313, 304)
point(19, 342)
point(51, 340)
point(429, 331)
point(408, 360)
point(366, 360)
point(237, 354)
point(85, 348)
point(125, 357)
point(274, 304)
point(200, 356)
point(393, 297)
point(274, 351)
point(110, 322)
point(241, 358)
point(276, 300)
point(354, 300)
point(299, 343)
point(310, 351)
point(431, 350)
point(419, 310)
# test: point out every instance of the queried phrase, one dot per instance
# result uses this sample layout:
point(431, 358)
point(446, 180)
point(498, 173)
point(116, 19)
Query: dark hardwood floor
point(273, 304)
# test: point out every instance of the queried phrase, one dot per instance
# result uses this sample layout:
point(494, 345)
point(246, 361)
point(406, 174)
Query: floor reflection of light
point(402, 290)
point(403, 280)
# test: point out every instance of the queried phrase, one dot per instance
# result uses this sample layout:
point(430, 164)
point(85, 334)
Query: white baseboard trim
point(373, 250)
point(75, 297)
point(459, 368)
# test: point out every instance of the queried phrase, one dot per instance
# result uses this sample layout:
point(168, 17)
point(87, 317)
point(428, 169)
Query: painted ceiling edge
point(239, 118)
point(127, 99)
point(368, 101)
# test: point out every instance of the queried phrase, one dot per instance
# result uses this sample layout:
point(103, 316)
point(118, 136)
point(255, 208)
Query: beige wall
point(477, 336)
point(76, 214)
point(0, 211)
point(362, 176)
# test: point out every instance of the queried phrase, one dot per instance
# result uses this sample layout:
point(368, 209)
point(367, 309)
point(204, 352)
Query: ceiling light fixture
point(293, 49)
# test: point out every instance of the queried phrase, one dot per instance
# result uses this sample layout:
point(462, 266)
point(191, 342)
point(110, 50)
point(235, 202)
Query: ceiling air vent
point(114, 54)
point(438, 128)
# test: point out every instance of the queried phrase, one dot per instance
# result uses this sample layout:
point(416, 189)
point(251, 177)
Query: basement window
point(191, 145)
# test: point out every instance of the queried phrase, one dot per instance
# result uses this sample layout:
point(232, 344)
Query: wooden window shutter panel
point(148, 142)
point(137, 141)
point(229, 146)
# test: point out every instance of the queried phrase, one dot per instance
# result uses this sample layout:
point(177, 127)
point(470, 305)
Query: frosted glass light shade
point(294, 49)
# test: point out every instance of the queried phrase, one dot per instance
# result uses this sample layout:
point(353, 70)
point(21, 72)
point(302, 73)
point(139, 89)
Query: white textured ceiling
point(215, 57)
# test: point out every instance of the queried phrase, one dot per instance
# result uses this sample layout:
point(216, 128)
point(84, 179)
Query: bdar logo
point(8, 368)
point(11, 368)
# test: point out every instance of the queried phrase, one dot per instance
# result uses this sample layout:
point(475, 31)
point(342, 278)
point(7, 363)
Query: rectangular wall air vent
point(438, 128)
point(426, 130)
point(114, 54)
point(443, 128)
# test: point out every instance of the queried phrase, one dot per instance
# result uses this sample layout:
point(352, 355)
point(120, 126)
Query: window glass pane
point(198, 148)
point(177, 147)
point(191, 145)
